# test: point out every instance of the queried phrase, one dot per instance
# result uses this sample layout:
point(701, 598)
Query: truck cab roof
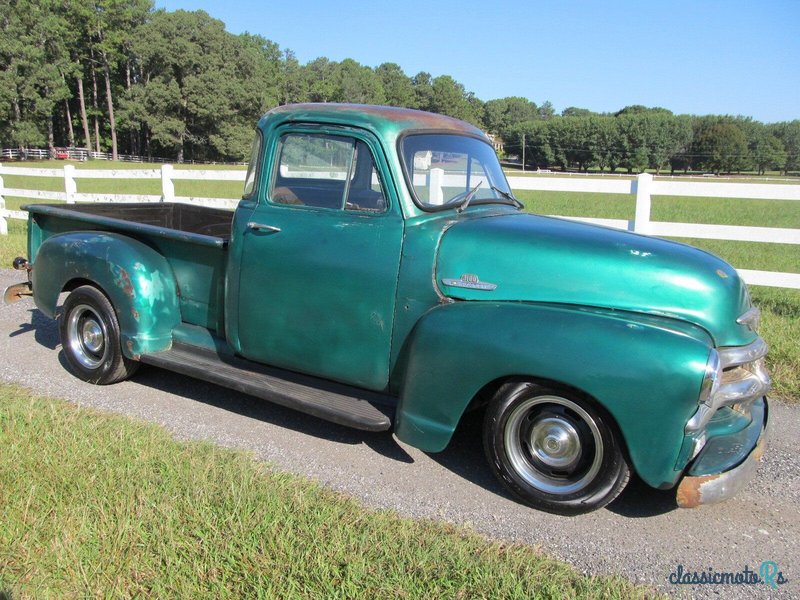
point(388, 122)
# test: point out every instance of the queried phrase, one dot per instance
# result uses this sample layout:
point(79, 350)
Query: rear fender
point(137, 279)
point(644, 371)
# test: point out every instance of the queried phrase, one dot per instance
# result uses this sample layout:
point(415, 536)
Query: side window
point(326, 171)
point(250, 178)
point(366, 189)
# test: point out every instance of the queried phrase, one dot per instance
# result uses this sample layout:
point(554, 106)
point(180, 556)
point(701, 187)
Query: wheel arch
point(460, 352)
point(137, 280)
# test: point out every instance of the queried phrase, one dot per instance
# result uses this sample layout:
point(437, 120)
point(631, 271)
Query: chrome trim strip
point(743, 390)
point(739, 355)
point(751, 319)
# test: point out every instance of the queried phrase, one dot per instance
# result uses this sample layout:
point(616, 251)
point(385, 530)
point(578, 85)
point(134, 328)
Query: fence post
point(70, 187)
point(641, 188)
point(167, 185)
point(435, 182)
point(3, 222)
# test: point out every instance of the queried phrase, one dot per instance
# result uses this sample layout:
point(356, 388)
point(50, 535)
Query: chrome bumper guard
point(697, 489)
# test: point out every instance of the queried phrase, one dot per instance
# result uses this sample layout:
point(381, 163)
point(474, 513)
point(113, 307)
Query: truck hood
point(529, 258)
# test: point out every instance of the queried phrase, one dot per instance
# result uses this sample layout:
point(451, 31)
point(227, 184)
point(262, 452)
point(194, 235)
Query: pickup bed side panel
point(646, 374)
point(137, 279)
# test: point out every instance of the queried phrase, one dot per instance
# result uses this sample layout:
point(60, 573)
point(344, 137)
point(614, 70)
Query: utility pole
point(523, 152)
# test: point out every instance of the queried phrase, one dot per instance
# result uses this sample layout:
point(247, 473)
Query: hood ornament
point(470, 282)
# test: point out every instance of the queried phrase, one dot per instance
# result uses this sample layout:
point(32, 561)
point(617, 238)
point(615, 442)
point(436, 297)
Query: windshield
point(452, 171)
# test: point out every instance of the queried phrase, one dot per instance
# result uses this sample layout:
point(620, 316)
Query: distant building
point(497, 142)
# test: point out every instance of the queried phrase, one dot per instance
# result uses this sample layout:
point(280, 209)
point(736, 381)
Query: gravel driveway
point(642, 535)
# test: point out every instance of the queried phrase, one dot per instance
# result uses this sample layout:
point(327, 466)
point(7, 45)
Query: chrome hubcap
point(86, 336)
point(553, 444)
point(92, 336)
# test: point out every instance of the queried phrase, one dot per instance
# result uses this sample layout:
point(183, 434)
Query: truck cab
point(379, 273)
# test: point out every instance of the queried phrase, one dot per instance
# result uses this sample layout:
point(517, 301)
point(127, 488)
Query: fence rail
point(81, 154)
point(643, 187)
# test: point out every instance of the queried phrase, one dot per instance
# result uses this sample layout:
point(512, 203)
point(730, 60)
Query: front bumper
point(726, 463)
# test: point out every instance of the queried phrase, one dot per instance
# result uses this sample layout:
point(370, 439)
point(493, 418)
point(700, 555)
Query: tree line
point(120, 76)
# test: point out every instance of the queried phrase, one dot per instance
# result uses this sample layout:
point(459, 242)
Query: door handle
point(261, 227)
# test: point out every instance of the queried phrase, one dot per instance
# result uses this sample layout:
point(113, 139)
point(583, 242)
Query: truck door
point(320, 259)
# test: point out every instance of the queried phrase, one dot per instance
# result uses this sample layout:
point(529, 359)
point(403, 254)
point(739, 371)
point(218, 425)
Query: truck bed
point(193, 239)
point(186, 218)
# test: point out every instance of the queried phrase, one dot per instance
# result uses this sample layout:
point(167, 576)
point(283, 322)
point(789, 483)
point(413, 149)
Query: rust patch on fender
point(123, 280)
point(135, 314)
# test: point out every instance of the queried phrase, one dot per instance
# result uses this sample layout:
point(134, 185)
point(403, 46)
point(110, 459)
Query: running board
point(345, 405)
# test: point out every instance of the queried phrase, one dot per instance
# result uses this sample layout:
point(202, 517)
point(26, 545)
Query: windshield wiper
point(470, 195)
point(508, 196)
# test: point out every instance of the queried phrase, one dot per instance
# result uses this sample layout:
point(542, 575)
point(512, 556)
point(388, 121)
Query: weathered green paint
point(196, 262)
point(456, 349)
point(539, 259)
point(137, 279)
point(319, 295)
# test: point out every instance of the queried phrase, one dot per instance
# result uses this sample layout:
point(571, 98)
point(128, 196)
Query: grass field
point(96, 505)
point(781, 307)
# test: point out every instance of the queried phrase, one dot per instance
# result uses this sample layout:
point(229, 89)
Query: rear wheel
point(553, 449)
point(91, 340)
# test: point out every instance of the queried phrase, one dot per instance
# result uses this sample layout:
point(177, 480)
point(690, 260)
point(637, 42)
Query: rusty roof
point(388, 121)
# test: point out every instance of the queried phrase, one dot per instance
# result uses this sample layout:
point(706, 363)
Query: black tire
point(90, 338)
point(553, 449)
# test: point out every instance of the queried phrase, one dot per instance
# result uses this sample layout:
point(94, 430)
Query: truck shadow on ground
point(45, 330)
point(264, 411)
point(463, 456)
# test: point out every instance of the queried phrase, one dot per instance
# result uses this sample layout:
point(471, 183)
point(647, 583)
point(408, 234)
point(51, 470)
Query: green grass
point(105, 506)
point(780, 326)
point(14, 244)
point(578, 204)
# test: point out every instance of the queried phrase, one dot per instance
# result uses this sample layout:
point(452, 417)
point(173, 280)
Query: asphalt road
point(641, 535)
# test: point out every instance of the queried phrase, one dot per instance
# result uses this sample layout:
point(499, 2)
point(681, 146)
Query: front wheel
point(553, 449)
point(90, 337)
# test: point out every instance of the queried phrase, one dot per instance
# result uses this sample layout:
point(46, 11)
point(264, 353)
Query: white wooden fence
point(643, 187)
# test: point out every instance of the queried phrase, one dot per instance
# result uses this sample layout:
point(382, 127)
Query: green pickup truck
point(379, 273)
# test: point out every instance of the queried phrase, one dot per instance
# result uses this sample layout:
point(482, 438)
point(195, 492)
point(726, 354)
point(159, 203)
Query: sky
point(703, 57)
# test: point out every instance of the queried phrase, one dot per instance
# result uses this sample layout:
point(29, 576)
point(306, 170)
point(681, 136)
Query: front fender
point(137, 279)
point(645, 371)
